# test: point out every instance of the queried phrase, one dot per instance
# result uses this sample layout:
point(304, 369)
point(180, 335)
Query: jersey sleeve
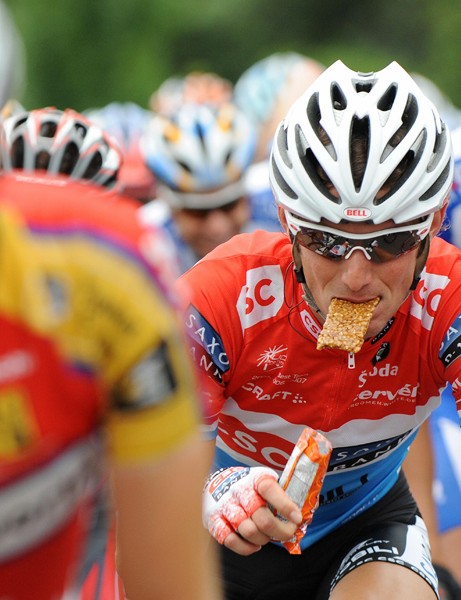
point(213, 335)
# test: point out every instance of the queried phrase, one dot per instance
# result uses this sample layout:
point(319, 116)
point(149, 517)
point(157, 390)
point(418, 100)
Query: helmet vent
point(200, 134)
point(312, 166)
point(338, 99)
point(361, 86)
point(286, 189)
point(314, 116)
point(438, 184)
point(94, 166)
point(48, 129)
point(313, 111)
point(359, 149)
point(17, 153)
point(282, 144)
point(184, 166)
point(441, 141)
point(81, 129)
point(69, 158)
point(387, 99)
point(402, 172)
point(42, 160)
point(409, 117)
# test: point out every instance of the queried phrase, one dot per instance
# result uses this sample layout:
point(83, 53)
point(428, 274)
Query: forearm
point(164, 551)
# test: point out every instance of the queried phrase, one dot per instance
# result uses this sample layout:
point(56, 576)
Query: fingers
point(239, 545)
point(262, 525)
point(274, 495)
point(259, 529)
point(271, 526)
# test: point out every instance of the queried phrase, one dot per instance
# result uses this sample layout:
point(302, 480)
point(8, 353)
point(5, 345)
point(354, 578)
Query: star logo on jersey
point(273, 358)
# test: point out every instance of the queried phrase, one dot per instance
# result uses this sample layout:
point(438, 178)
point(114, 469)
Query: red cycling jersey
point(255, 337)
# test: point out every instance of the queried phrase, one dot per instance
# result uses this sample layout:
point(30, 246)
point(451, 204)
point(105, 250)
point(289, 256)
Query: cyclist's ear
point(439, 217)
point(283, 220)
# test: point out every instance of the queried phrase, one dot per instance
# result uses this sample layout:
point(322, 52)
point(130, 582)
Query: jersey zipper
point(351, 360)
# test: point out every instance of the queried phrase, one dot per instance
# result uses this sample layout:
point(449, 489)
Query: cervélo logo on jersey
point(262, 296)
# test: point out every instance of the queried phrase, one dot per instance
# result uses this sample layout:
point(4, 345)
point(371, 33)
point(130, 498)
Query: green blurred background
point(87, 53)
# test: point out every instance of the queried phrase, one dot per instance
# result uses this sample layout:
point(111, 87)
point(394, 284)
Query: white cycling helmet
point(200, 154)
point(59, 142)
point(403, 131)
point(12, 57)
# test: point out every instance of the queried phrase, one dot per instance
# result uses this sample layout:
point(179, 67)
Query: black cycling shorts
point(391, 531)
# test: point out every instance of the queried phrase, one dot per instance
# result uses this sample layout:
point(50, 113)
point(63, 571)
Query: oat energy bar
point(346, 324)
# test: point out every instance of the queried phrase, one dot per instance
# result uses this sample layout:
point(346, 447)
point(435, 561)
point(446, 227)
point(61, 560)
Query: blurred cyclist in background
point(267, 89)
point(50, 142)
point(264, 92)
point(91, 351)
point(126, 122)
point(197, 87)
point(199, 156)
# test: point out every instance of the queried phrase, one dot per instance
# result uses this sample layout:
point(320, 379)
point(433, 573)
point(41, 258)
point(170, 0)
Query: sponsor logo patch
point(262, 296)
point(450, 349)
point(205, 336)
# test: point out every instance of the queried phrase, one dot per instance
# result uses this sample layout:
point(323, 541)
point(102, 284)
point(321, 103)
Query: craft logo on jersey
point(426, 297)
point(273, 358)
point(262, 296)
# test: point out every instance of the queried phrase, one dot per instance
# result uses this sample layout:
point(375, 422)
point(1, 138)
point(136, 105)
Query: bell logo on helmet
point(357, 214)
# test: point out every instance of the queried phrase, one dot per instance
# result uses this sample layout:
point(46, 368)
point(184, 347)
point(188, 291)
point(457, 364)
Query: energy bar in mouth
point(346, 324)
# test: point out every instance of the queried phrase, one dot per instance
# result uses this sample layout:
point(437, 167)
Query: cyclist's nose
point(356, 270)
point(219, 224)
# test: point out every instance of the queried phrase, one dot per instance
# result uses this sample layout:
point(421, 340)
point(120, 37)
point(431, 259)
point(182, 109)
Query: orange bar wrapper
point(302, 479)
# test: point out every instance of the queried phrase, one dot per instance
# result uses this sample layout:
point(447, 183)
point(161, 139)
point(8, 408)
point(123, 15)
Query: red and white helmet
point(59, 142)
point(401, 126)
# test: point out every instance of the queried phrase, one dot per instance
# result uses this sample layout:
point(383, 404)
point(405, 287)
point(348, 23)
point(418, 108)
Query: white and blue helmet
point(200, 153)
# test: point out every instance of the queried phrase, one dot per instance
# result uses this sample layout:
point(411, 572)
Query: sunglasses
point(380, 247)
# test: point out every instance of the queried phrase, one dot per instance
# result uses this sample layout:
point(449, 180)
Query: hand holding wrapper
point(302, 479)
